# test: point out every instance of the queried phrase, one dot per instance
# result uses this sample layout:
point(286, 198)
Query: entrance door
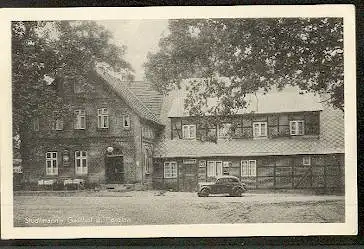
point(188, 178)
point(114, 169)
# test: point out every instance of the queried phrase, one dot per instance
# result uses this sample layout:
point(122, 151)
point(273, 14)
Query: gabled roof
point(150, 97)
point(122, 90)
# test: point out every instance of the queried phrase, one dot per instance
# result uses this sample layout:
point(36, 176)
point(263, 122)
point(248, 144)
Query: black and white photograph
point(201, 119)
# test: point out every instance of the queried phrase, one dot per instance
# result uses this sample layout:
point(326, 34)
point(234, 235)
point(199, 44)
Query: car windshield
point(220, 181)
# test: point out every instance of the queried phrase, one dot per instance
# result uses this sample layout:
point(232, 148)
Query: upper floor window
point(248, 168)
point(36, 124)
point(58, 124)
point(126, 121)
point(51, 163)
point(189, 131)
point(224, 129)
point(296, 127)
point(170, 170)
point(259, 129)
point(80, 119)
point(102, 118)
point(81, 162)
point(147, 132)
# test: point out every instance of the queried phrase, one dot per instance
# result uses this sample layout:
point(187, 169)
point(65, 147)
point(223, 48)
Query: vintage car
point(223, 185)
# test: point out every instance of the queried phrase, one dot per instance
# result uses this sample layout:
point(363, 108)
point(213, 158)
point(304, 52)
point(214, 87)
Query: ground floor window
point(81, 162)
point(214, 168)
point(248, 168)
point(170, 170)
point(51, 163)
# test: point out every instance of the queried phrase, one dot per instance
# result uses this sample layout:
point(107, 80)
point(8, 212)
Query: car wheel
point(205, 192)
point(238, 192)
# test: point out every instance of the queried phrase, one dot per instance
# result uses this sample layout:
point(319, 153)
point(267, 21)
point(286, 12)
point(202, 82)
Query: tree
point(46, 52)
point(226, 59)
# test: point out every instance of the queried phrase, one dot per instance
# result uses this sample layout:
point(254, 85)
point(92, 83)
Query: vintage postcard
point(178, 122)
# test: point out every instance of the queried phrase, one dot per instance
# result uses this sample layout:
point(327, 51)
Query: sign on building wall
point(189, 161)
point(18, 169)
point(202, 164)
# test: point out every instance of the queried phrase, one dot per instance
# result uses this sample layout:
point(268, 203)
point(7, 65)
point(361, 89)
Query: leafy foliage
point(46, 53)
point(226, 59)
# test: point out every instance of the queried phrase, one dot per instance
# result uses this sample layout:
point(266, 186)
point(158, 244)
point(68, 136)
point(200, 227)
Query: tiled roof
point(150, 97)
point(235, 147)
point(128, 96)
point(287, 100)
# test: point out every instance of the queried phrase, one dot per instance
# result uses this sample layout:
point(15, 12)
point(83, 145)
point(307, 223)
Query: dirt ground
point(149, 207)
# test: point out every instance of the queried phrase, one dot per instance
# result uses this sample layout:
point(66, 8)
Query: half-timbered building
point(107, 137)
point(282, 140)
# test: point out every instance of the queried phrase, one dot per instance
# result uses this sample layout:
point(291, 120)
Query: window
point(214, 168)
point(58, 124)
point(189, 131)
point(222, 181)
point(260, 129)
point(224, 129)
point(126, 121)
point(296, 127)
point(81, 162)
point(51, 163)
point(80, 119)
point(233, 180)
point(248, 168)
point(36, 124)
point(306, 160)
point(170, 170)
point(211, 168)
point(102, 118)
point(147, 132)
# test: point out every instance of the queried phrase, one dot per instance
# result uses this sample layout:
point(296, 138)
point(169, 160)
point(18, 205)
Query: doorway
point(114, 169)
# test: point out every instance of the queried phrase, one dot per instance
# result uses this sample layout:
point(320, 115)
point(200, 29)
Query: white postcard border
point(198, 230)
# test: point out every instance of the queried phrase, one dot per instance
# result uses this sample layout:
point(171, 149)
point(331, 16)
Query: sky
point(140, 37)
